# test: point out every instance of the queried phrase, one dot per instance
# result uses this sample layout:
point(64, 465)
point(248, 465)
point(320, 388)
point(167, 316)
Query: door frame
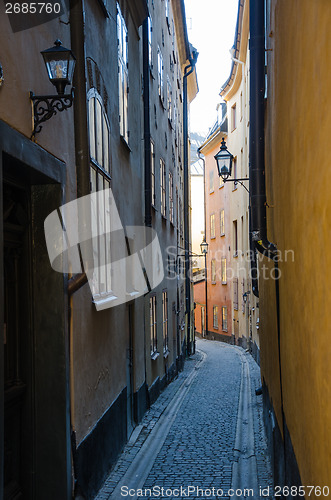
point(52, 467)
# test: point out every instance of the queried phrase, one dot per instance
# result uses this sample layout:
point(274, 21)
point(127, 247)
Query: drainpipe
point(147, 150)
point(147, 129)
point(258, 224)
point(256, 137)
point(187, 71)
point(205, 230)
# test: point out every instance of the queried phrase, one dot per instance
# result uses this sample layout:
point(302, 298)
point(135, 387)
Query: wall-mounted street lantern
point(245, 296)
point(224, 161)
point(60, 65)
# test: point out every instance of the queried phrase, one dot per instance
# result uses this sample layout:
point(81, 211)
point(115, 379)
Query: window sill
point(224, 282)
point(103, 302)
point(222, 186)
point(210, 192)
point(132, 294)
point(235, 255)
point(124, 141)
point(213, 282)
point(164, 218)
point(222, 234)
point(213, 237)
point(166, 353)
point(154, 355)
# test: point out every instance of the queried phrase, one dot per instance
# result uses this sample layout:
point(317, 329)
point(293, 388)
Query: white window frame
point(215, 317)
point(165, 322)
point(212, 227)
point(100, 181)
point(163, 187)
point(222, 222)
point(171, 197)
point(223, 270)
point(224, 318)
point(123, 74)
point(153, 183)
point(153, 323)
point(160, 73)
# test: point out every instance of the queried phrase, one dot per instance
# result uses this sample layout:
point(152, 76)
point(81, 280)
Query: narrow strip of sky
point(211, 29)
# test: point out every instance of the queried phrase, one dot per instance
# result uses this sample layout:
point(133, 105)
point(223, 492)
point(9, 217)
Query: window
point(241, 105)
point(163, 187)
point(165, 321)
point(153, 329)
point(213, 271)
point(235, 239)
point(203, 322)
point(243, 291)
point(160, 74)
point(211, 181)
point(180, 215)
point(167, 11)
point(169, 99)
point(223, 270)
point(234, 117)
point(224, 319)
point(235, 294)
point(222, 222)
point(212, 226)
point(153, 173)
point(171, 197)
point(100, 180)
point(215, 317)
point(175, 118)
point(150, 43)
point(98, 132)
point(123, 74)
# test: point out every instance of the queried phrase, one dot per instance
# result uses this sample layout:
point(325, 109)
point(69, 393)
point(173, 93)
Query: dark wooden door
point(16, 224)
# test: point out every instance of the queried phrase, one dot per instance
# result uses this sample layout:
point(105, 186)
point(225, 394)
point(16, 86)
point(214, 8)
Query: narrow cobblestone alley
point(199, 434)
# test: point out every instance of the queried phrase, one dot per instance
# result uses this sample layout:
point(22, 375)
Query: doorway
point(17, 341)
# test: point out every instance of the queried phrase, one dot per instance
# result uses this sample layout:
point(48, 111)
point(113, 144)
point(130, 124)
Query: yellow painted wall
point(298, 130)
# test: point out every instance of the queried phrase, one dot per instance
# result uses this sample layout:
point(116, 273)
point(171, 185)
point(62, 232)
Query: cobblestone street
point(199, 433)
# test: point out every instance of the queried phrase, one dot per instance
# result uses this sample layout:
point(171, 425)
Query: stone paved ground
point(198, 450)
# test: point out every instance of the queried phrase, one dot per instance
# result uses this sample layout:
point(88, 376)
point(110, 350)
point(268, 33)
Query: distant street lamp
point(224, 165)
point(204, 247)
point(204, 251)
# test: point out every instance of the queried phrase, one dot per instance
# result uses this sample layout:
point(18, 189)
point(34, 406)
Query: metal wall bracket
point(46, 106)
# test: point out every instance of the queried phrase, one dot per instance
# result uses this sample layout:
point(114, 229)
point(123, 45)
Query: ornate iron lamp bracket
point(46, 106)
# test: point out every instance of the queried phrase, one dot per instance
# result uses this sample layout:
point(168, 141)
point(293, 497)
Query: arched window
point(98, 128)
point(98, 133)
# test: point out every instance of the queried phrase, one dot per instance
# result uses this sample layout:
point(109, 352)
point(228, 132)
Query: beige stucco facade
point(235, 92)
